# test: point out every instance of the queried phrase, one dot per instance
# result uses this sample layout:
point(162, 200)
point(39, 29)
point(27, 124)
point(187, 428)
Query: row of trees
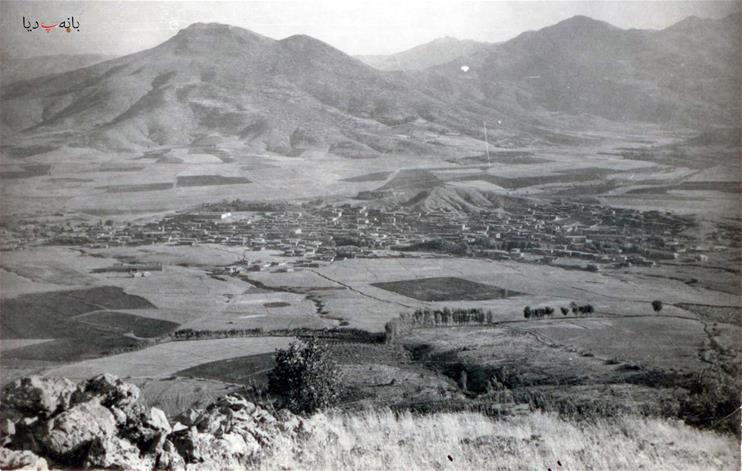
point(547, 311)
point(436, 317)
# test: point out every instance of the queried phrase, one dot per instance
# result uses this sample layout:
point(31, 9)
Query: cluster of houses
point(312, 233)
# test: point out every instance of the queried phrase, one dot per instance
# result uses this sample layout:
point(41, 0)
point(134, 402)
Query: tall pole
point(486, 144)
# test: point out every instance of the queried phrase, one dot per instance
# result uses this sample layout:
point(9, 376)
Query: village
point(591, 236)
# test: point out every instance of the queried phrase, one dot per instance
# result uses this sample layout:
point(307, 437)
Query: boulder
point(235, 402)
point(111, 452)
point(215, 421)
point(157, 420)
point(36, 395)
point(66, 436)
point(192, 445)
point(189, 417)
point(168, 458)
point(109, 390)
point(16, 459)
point(7, 431)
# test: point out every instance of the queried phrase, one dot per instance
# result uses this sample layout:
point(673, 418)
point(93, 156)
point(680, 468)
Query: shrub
point(305, 377)
point(657, 306)
point(713, 400)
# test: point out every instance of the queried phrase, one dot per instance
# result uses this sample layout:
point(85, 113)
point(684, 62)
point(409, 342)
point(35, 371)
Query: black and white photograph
point(370, 235)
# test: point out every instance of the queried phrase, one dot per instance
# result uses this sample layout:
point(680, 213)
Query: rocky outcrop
point(102, 423)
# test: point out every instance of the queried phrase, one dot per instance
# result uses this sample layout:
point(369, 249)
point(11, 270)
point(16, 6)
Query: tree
point(565, 310)
point(305, 377)
point(527, 312)
point(657, 306)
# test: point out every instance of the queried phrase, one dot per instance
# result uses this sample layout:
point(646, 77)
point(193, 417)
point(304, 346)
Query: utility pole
point(486, 144)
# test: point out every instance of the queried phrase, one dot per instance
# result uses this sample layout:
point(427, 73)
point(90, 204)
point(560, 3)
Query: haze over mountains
point(437, 52)
point(290, 95)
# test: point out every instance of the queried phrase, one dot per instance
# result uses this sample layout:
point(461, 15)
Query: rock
point(7, 431)
point(36, 395)
point(215, 421)
point(169, 458)
point(192, 445)
point(15, 459)
point(235, 402)
point(157, 420)
point(110, 390)
point(111, 452)
point(119, 416)
point(177, 427)
point(189, 417)
point(65, 436)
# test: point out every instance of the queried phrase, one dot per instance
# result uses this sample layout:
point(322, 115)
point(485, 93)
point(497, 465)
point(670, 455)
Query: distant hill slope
point(283, 96)
point(301, 94)
point(687, 74)
point(436, 52)
point(26, 69)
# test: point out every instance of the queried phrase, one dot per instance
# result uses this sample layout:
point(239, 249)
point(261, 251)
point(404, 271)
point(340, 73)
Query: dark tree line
point(548, 311)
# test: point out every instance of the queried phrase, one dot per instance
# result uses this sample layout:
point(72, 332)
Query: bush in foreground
point(305, 378)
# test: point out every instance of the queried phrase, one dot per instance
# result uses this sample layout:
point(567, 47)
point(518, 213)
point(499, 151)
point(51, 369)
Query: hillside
point(683, 75)
point(105, 423)
point(437, 52)
point(282, 96)
point(26, 69)
point(299, 94)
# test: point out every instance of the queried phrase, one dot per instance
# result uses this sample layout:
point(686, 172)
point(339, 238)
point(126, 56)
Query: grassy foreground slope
point(537, 441)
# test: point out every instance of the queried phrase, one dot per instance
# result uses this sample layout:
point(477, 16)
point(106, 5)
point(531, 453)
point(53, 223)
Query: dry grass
point(537, 441)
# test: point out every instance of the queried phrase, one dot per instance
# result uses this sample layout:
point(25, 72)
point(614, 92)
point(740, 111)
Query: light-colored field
point(78, 177)
point(369, 307)
point(659, 342)
point(381, 440)
point(166, 359)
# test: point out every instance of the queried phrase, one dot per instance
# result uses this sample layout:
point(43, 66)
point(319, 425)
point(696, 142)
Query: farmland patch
point(209, 180)
point(50, 314)
point(446, 289)
point(123, 323)
point(136, 188)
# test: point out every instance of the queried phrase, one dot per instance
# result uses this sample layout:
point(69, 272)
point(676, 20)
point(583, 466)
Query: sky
point(356, 27)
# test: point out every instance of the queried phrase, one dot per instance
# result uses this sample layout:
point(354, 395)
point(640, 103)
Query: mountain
point(436, 52)
point(26, 69)
point(299, 94)
point(284, 96)
point(687, 74)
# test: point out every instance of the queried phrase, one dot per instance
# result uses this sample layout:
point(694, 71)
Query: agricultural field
point(167, 359)
point(445, 289)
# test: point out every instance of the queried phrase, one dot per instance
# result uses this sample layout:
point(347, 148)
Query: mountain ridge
point(299, 93)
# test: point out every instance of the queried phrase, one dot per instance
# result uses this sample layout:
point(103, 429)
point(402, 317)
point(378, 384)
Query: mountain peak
point(583, 22)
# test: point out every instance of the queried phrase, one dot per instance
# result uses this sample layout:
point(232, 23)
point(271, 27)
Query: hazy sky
point(356, 27)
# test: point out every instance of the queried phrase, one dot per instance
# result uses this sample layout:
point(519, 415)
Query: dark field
point(120, 169)
point(50, 315)
point(505, 157)
point(724, 187)
point(208, 180)
point(123, 323)
point(369, 177)
point(242, 370)
point(446, 289)
point(87, 344)
point(135, 188)
point(579, 175)
point(28, 171)
point(277, 304)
